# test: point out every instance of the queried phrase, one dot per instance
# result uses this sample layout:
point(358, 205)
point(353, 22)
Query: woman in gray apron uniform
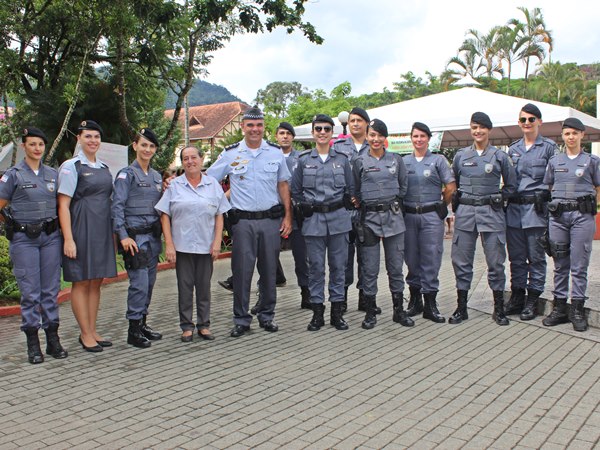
point(35, 243)
point(84, 190)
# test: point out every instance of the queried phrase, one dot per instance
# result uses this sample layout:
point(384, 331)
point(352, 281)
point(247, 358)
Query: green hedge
point(8, 283)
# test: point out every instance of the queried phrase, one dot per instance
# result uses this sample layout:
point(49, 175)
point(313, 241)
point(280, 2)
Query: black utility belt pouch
point(366, 236)
point(497, 202)
point(442, 210)
point(140, 260)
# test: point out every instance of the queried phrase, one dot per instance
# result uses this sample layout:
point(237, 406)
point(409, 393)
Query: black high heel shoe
point(94, 349)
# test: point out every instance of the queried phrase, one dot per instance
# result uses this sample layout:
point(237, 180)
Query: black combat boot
point(337, 316)
point(578, 315)
point(345, 302)
point(53, 347)
point(430, 309)
point(558, 314)
point(516, 302)
point(362, 301)
point(150, 334)
point(461, 312)
point(254, 310)
point(34, 352)
point(415, 303)
point(400, 316)
point(317, 320)
point(305, 294)
point(530, 309)
point(135, 336)
point(371, 316)
point(498, 314)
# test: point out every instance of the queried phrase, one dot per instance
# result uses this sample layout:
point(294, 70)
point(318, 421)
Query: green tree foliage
point(277, 96)
point(59, 57)
point(8, 283)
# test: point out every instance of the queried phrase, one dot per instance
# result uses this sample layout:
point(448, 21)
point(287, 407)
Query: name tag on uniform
point(561, 170)
point(87, 174)
point(373, 169)
point(144, 185)
point(470, 164)
point(28, 186)
point(310, 166)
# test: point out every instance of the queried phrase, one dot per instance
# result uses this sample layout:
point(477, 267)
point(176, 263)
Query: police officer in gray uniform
point(527, 214)
point(430, 188)
point(322, 184)
point(35, 243)
point(380, 182)
point(574, 180)
point(259, 179)
point(358, 122)
point(478, 208)
point(137, 188)
point(285, 135)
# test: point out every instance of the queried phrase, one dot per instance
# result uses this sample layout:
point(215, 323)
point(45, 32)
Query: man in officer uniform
point(323, 186)
point(574, 179)
point(137, 189)
point(258, 178)
point(527, 214)
point(478, 208)
point(358, 122)
point(285, 135)
point(430, 188)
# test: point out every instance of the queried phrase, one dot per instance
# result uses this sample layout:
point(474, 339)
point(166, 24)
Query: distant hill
point(203, 93)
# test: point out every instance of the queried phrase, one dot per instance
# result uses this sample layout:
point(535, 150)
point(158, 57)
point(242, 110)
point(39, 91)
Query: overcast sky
point(371, 43)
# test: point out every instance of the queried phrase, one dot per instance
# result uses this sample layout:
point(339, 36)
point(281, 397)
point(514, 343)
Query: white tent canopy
point(451, 112)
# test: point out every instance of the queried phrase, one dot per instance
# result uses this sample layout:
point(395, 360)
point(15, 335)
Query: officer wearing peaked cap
point(574, 180)
point(479, 171)
point(321, 183)
point(527, 214)
point(28, 190)
point(137, 189)
point(261, 212)
point(431, 184)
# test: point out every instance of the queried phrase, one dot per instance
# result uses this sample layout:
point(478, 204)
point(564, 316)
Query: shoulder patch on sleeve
point(122, 176)
point(232, 146)
point(4, 178)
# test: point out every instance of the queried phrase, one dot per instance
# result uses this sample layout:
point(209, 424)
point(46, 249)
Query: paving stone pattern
point(474, 385)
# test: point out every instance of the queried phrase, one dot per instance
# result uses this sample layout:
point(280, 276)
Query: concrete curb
point(65, 294)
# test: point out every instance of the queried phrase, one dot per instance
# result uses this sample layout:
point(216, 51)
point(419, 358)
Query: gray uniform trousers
point(336, 246)
point(527, 257)
point(194, 270)
point(463, 254)
point(577, 230)
point(36, 265)
point(141, 281)
point(255, 241)
point(424, 246)
point(300, 257)
point(393, 247)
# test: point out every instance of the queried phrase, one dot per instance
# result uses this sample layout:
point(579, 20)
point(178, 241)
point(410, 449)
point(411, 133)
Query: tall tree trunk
point(11, 133)
point(121, 89)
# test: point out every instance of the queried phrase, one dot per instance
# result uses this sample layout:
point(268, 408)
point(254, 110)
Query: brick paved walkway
point(474, 385)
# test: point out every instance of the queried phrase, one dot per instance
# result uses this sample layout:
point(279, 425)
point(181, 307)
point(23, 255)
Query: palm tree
point(561, 79)
point(539, 36)
point(509, 45)
point(476, 57)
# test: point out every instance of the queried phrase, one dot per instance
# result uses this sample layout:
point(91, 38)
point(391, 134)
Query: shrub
point(8, 283)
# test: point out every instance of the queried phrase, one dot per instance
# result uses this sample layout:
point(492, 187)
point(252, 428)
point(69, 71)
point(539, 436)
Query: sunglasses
point(318, 129)
point(525, 119)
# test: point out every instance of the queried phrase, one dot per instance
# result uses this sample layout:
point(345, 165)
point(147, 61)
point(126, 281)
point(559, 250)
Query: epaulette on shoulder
point(304, 153)
point(513, 142)
point(273, 144)
point(337, 141)
point(339, 152)
point(548, 140)
point(232, 146)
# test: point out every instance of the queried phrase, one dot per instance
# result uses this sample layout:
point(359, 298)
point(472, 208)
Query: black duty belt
point(275, 212)
point(569, 206)
point(475, 201)
point(420, 209)
point(327, 208)
point(522, 200)
point(49, 225)
point(379, 207)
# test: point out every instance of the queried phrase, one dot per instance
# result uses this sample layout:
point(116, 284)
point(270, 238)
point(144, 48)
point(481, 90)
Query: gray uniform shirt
point(426, 178)
point(530, 167)
point(481, 176)
point(572, 178)
point(381, 181)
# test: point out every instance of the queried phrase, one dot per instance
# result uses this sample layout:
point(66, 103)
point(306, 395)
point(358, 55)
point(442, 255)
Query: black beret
point(482, 119)
point(574, 123)
point(253, 114)
point(33, 132)
point(323, 118)
point(421, 127)
point(360, 112)
point(147, 133)
point(90, 125)
point(379, 126)
point(532, 109)
point(287, 126)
